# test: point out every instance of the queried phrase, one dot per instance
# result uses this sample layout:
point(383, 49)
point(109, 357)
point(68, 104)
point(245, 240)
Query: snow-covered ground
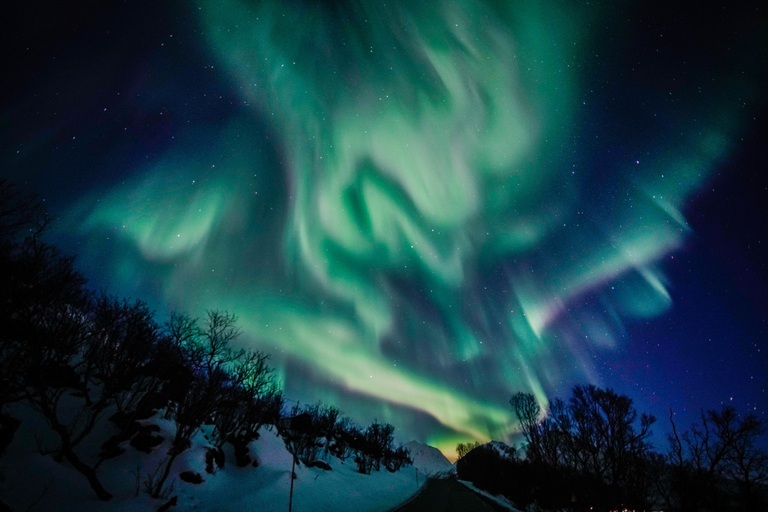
point(29, 479)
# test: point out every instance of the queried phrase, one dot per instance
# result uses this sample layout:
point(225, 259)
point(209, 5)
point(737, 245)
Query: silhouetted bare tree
point(45, 311)
point(723, 444)
point(528, 413)
point(214, 385)
point(596, 433)
point(608, 444)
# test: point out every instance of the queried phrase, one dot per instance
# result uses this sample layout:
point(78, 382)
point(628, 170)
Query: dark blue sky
point(710, 348)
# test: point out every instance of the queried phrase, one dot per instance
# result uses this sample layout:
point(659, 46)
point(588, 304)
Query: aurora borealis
point(417, 209)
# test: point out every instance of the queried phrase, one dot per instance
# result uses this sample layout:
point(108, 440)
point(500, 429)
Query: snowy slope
point(428, 459)
point(28, 478)
point(499, 500)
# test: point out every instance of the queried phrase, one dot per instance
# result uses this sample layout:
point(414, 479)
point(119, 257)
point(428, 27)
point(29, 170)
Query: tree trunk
point(167, 471)
point(88, 472)
point(66, 450)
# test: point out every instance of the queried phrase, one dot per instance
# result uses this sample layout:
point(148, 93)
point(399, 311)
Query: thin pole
point(293, 475)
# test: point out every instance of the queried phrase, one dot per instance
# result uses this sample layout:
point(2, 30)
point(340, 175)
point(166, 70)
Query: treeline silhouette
point(76, 356)
point(593, 453)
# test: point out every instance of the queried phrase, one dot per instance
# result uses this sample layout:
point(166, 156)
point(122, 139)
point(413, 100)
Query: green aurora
point(418, 232)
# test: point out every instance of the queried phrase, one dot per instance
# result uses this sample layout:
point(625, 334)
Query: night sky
point(418, 209)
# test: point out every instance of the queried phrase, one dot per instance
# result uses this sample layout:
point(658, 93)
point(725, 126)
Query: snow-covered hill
point(428, 459)
point(504, 450)
point(29, 479)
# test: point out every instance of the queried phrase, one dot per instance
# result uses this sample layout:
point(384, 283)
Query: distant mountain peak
point(428, 459)
point(503, 449)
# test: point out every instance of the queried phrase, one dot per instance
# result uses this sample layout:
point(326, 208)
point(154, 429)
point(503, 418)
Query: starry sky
point(418, 209)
